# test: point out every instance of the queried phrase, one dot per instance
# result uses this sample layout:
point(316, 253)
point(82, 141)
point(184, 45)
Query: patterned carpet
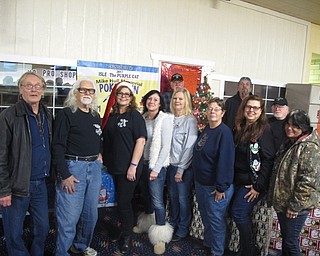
point(105, 247)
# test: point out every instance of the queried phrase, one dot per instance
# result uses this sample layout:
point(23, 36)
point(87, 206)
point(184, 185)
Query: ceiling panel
point(308, 10)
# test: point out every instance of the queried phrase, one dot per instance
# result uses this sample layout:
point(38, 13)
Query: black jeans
point(124, 195)
point(144, 189)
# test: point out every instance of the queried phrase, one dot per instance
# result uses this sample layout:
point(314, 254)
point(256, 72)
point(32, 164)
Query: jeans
point(241, 211)
point(156, 188)
point(13, 218)
point(77, 212)
point(180, 201)
point(213, 215)
point(290, 232)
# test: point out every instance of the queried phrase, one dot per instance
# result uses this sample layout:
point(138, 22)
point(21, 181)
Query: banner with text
point(106, 75)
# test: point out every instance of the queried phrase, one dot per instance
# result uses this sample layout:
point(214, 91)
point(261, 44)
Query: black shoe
point(176, 238)
point(125, 244)
point(114, 233)
point(227, 252)
point(197, 243)
point(114, 236)
point(207, 250)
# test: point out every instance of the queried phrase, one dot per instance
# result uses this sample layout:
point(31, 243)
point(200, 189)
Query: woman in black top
point(254, 154)
point(124, 137)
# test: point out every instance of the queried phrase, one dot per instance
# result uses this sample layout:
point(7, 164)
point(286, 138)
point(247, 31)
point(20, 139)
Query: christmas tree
point(202, 96)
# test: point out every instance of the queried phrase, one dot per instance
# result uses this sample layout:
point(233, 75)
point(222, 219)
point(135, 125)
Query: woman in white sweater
point(156, 154)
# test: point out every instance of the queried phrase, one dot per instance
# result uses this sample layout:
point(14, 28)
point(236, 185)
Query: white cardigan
point(156, 140)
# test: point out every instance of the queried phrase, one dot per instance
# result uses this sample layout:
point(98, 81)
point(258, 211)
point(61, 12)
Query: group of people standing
point(274, 159)
point(239, 158)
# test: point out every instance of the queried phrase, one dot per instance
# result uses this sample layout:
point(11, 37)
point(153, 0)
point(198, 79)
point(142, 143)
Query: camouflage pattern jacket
point(295, 180)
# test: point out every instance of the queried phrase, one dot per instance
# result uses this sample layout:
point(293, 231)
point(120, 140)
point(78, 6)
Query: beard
point(279, 116)
point(86, 101)
point(244, 92)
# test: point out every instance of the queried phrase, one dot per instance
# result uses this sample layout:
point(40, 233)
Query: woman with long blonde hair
point(180, 174)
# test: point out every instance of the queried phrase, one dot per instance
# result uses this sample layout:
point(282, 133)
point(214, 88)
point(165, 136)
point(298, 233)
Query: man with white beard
point(233, 103)
point(280, 111)
point(77, 160)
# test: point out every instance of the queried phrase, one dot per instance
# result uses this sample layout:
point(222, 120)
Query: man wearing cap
point(176, 81)
point(233, 103)
point(280, 111)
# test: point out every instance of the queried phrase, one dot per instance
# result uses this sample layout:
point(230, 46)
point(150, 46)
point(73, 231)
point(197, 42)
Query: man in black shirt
point(232, 104)
point(280, 111)
point(78, 162)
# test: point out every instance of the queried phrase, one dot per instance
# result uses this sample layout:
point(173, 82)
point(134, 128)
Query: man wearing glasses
point(280, 111)
point(25, 137)
point(76, 157)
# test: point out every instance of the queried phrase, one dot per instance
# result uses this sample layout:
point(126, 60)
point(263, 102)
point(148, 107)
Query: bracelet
point(133, 164)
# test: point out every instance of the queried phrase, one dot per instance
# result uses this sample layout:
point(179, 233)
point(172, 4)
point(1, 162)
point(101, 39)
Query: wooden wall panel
point(241, 39)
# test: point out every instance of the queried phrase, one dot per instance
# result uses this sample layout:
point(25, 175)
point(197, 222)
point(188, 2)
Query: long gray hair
point(71, 100)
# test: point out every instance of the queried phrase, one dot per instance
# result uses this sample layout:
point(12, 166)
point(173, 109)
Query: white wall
point(239, 38)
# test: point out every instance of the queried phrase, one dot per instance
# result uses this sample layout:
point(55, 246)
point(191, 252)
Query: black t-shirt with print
point(75, 133)
point(119, 138)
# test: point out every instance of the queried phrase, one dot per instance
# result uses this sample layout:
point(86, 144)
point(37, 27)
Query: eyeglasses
point(33, 86)
point(214, 109)
point(85, 91)
point(254, 108)
point(124, 94)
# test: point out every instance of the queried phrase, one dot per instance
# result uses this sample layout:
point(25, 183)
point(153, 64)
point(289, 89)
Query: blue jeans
point(241, 209)
point(13, 218)
point(213, 215)
point(156, 188)
point(77, 212)
point(290, 232)
point(180, 201)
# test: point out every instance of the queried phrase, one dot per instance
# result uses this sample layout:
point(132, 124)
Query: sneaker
point(176, 238)
point(86, 252)
point(90, 252)
point(125, 244)
point(74, 250)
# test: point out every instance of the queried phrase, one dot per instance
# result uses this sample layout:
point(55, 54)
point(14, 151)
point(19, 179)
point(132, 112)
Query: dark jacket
point(231, 106)
point(277, 128)
point(244, 174)
point(16, 150)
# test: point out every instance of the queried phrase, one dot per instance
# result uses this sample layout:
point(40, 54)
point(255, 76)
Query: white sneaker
point(90, 252)
point(86, 252)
